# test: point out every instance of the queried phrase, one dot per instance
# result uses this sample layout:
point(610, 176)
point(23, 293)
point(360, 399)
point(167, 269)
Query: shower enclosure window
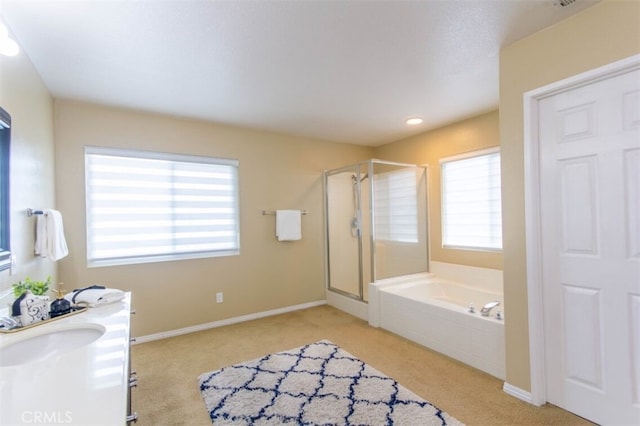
point(376, 223)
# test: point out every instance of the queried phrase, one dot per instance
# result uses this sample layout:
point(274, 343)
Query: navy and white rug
point(315, 384)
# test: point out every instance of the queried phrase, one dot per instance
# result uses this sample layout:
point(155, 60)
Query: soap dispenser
point(60, 306)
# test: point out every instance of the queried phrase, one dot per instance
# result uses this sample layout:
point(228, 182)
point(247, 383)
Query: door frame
point(533, 228)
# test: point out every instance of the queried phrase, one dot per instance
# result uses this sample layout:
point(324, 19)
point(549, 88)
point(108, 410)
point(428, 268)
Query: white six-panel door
point(589, 159)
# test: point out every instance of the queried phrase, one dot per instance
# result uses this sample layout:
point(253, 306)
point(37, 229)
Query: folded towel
point(41, 235)
point(94, 295)
point(50, 241)
point(288, 225)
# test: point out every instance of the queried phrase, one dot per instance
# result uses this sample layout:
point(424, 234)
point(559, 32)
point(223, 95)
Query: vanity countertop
point(86, 386)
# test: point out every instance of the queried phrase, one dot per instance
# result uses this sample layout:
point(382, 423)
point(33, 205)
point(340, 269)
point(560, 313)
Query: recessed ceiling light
point(412, 121)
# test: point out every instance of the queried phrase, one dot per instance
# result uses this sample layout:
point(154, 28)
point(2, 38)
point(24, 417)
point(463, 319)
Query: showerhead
point(354, 179)
point(563, 3)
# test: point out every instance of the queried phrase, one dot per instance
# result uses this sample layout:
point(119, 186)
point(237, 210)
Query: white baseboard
point(228, 321)
point(517, 393)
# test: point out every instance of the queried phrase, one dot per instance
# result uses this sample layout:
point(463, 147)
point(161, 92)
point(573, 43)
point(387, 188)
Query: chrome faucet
point(8, 323)
point(486, 309)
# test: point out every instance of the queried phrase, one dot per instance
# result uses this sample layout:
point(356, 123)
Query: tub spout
point(486, 309)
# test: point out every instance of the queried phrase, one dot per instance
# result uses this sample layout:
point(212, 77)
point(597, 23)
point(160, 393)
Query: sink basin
point(49, 343)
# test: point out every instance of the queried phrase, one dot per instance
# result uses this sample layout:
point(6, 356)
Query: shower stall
point(376, 225)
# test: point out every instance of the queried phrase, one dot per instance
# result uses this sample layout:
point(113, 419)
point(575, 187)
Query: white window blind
point(147, 207)
point(396, 206)
point(471, 201)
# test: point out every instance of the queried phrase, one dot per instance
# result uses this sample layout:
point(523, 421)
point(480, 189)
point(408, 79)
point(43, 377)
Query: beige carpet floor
point(168, 393)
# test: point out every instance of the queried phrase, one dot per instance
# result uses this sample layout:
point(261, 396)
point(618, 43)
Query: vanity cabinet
point(132, 416)
point(89, 385)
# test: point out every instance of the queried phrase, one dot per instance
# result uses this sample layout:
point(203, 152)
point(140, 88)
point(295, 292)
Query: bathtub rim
point(382, 286)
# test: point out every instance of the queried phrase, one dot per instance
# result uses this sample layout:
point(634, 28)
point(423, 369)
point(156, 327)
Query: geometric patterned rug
point(315, 384)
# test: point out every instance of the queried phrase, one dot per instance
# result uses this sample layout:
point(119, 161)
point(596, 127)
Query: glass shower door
point(376, 224)
point(344, 238)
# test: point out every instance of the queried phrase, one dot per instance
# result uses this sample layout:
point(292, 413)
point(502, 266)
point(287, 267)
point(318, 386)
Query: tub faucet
point(486, 309)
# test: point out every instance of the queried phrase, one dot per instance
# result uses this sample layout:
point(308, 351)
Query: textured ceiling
point(343, 71)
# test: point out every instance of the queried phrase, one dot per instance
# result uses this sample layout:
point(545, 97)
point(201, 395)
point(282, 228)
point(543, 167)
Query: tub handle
point(472, 309)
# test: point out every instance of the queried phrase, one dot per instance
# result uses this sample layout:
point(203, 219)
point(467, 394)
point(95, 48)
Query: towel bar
point(272, 212)
point(31, 212)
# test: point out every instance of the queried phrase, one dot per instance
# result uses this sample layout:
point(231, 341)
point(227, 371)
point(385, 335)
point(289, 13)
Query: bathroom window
point(5, 226)
point(148, 207)
point(471, 201)
point(396, 206)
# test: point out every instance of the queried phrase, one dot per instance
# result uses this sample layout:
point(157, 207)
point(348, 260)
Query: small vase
point(31, 309)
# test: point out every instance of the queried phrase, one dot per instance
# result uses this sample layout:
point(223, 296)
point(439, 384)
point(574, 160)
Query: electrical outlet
point(219, 297)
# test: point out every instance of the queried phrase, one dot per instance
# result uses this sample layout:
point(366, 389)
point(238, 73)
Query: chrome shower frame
point(361, 171)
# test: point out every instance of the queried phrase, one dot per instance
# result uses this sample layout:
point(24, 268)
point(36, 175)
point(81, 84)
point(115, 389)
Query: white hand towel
point(41, 235)
point(288, 225)
point(97, 296)
point(50, 241)
point(55, 231)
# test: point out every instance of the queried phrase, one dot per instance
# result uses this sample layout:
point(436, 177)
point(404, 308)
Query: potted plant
point(37, 288)
point(32, 303)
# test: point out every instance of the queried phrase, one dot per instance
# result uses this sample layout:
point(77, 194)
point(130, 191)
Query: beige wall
point(275, 172)
point(428, 148)
point(283, 172)
point(24, 96)
point(604, 33)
